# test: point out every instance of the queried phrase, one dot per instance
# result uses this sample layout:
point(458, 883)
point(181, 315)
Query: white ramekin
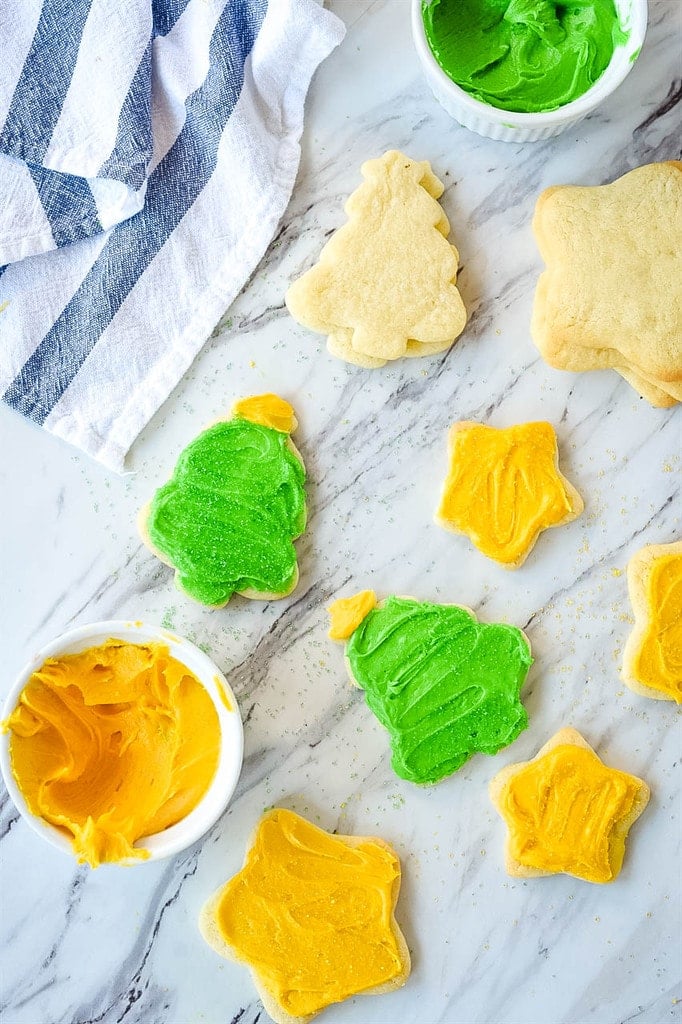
point(508, 126)
point(185, 832)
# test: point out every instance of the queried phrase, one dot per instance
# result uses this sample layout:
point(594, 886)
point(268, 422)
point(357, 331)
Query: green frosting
point(523, 55)
point(444, 685)
point(227, 517)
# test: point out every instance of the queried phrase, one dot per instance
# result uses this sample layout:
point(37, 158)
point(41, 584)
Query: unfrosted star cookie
point(504, 487)
point(227, 518)
point(312, 915)
point(652, 659)
point(385, 285)
point(444, 685)
point(611, 293)
point(566, 811)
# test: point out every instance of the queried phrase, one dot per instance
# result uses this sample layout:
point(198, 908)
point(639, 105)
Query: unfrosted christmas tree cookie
point(385, 285)
point(566, 811)
point(312, 915)
point(504, 487)
point(652, 659)
point(444, 685)
point(227, 518)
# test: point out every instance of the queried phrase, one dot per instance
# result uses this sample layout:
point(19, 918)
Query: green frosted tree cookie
point(227, 518)
point(444, 685)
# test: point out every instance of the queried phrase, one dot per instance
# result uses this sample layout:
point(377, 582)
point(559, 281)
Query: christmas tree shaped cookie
point(385, 285)
point(444, 685)
point(566, 811)
point(227, 518)
point(652, 659)
point(312, 914)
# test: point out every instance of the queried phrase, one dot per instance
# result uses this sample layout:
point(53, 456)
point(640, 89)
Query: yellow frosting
point(222, 693)
point(658, 663)
point(312, 915)
point(113, 744)
point(503, 487)
point(346, 614)
point(269, 410)
point(562, 809)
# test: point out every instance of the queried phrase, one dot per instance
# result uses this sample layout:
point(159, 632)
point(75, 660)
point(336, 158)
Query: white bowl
point(185, 832)
point(508, 126)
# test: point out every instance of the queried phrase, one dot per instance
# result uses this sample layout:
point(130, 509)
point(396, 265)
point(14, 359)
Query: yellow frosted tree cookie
point(504, 487)
point(652, 659)
point(566, 811)
point(611, 293)
point(385, 285)
point(312, 915)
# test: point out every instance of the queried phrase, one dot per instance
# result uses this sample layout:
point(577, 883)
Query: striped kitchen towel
point(148, 149)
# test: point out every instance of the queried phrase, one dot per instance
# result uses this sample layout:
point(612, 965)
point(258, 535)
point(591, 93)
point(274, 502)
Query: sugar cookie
point(611, 293)
point(444, 685)
point(227, 518)
point(504, 487)
point(652, 659)
point(385, 285)
point(567, 812)
point(312, 915)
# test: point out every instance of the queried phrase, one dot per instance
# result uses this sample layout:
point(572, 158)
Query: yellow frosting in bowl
point(113, 744)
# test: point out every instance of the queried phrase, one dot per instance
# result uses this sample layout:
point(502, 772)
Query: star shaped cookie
point(504, 487)
point(312, 915)
point(566, 811)
point(652, 659)
point(611, 293)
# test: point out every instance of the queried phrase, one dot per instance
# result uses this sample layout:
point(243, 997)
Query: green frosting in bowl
point(227, 518)
point(523, 55)
point(444, 685)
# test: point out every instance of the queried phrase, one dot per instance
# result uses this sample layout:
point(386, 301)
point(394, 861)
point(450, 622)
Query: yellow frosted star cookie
point(652, 659)
point(611, 293)
point(566, 811)
point(312, 915)
point(385, 285)
point(504, 487)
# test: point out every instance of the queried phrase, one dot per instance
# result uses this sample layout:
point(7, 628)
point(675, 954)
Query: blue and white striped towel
point(148, 149)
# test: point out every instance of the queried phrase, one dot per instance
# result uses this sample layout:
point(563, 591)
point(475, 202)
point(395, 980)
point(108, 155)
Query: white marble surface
point(119, 945)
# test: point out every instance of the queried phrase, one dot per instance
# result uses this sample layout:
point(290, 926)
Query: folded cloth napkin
point(148, 149)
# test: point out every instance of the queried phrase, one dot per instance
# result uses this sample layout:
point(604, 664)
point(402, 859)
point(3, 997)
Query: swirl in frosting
point(444, 685)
